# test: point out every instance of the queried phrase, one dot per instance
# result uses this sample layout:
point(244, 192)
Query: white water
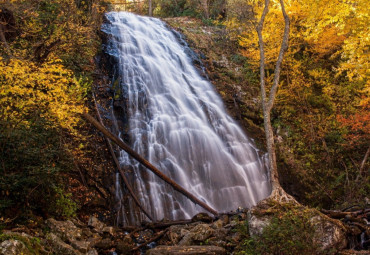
point(177, 121)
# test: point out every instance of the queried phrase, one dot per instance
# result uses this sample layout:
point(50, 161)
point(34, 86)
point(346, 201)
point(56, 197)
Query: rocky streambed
point(226, 234)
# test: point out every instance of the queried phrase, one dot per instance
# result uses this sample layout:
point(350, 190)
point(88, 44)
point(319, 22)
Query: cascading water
point(174, 118)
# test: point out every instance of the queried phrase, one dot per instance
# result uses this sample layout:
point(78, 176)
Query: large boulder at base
point(66, 230)
point(13, 247)
point(329, 233)
point(187, 250)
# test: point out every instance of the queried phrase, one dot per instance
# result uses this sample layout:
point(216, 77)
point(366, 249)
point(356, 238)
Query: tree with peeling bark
point(268, 102)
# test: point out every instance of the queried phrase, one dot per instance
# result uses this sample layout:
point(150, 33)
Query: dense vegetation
point(46, 63)
point(321, 117)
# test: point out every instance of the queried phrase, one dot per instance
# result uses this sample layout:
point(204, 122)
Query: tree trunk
point(147, 164)
point(150, 8)
point(267, 104)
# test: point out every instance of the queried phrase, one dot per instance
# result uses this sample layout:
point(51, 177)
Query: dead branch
point(146, 163)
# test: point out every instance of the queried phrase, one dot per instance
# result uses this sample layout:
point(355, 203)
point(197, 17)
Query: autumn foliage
point(321, 116)
point(46, 64)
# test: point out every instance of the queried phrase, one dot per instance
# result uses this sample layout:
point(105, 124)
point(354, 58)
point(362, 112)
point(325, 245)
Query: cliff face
point(224, 67)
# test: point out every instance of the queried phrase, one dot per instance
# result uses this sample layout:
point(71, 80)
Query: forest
point(55, 164)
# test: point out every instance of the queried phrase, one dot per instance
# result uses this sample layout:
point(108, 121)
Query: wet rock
point(13, 247)
point(96, 224)
point(108, 230)
point(86, 232)
point(174, 234)
point(143, 236)
point(197, 234)
point(104, 244)
point(94, 240)
point(81, 246)
point(202, 217)
point(66, 230)
point(188, 250)
point(217, 224)
point(124, 247)
point(220, 233)
point(329, 233)
point(59, 247)
point(225, 219)
point(92, 252)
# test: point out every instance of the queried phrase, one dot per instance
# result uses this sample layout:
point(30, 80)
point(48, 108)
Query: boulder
point(92, 252)
point(202, 217)
point(96, 224)
point(108, 230)
point(59, 247)
point(187, 250)
point(81, 246)
point(329, 233)
point(256, 223)
point(66, 230)
point(13, 247)
point(200, 233)
point(125, 246)
point(105, 244)
point(174, 234)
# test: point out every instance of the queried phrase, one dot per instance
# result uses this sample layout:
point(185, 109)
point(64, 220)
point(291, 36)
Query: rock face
point(13, 247)
point(329, 233)
point(188, 250)
point(59, 247)
point(200, 233)
point(66, 230)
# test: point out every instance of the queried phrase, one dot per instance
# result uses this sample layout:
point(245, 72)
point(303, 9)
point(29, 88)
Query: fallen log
point(124, 178)
point(340, 214)
point(155, 225)
point(147, 164)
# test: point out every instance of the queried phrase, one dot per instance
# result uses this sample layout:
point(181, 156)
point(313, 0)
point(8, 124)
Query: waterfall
point(174, 118)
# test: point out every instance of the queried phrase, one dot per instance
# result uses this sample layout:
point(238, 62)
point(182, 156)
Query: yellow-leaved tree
point(49, 91)
point(324, 79)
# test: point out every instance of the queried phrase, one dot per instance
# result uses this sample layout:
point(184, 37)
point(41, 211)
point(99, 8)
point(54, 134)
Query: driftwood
point(124, 178)
point(147, 164)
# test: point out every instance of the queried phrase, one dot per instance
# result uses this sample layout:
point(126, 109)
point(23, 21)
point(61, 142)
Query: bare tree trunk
point(363, 163)
point(150, 8)
point(267, 104)
point(147, 164)
point(3, 39)
point(205, 6)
